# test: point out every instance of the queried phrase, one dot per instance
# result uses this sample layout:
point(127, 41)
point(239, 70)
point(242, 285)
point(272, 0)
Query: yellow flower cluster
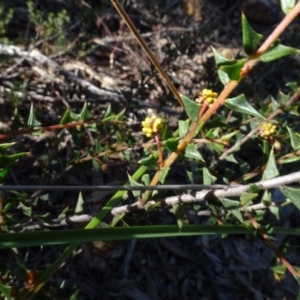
point(206, 95)
point(152, 125)
point(267, 130)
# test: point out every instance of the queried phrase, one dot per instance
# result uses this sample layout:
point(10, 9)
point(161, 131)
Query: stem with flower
point(252, 60)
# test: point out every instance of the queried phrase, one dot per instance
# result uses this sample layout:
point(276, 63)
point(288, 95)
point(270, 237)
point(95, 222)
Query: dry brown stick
point(47, 128)
point(149, 53)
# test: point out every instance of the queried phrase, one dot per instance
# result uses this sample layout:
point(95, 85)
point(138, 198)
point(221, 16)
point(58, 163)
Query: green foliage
point(49, 25)
point(292, 194)
point(191, 107)
point(192, 152)
point(5, 18)
point(251, 38)
point(227, 69)
point(229, 147)
point(240, 104)
point(32, 121)
point(278, 51)
point(6, 160)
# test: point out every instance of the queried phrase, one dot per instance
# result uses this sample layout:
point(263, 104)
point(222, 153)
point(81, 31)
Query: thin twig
point(219, 193)
point(149, 53)
point(279, 29)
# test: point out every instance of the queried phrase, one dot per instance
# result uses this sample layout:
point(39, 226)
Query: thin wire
point(111, 187)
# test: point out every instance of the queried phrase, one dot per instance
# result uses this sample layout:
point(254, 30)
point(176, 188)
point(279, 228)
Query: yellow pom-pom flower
point(208, 96)
point(152, 125)
point(267, 130)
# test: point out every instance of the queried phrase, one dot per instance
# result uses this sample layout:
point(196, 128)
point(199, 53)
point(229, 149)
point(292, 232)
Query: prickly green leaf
point(240, 104)
point(283, 99)
point(179, 212)
point(146, 179)
point(237, 213)
point(108, 111)
point(227, 69)
point(32, 121)
point(266, 147)
point(6, 146)
point(291, 159)
point(96, 165)
point(247, 197)
point(254, 188)
point(219, 148)
point(190, 175)
point(167, 134)
point(73, 116)
point(192, 152)
point(293, 194)
point(3, 173)
point(278, 51)
point(120, 115)
point(183, 127)
point(171, 144)
point(127, 156)
point(251, 38)
point(212, 133)
point(191, 107)
point(281, 269)
point(27, 210)
point(227, 137)
point(85, 113)
point(207, 177)
point(80, 204)
point(292, 85)
point(66, 118)
point(224, 78)
point(230, 204)
point(220, 59)
point(287, 5)
point(5, 160)
point(108, 119)
point(275, 104)
point(163, 175)
point(134, 183)
point(116, 219)
point(149, 161)
point(271, 170)
point(16, 121)
point(215, 123)
point(275, 211)
point(233, 207)
point(92, 127)
point(233, 70)
point(295, 139)
point(267, 198)
point(231, 158)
